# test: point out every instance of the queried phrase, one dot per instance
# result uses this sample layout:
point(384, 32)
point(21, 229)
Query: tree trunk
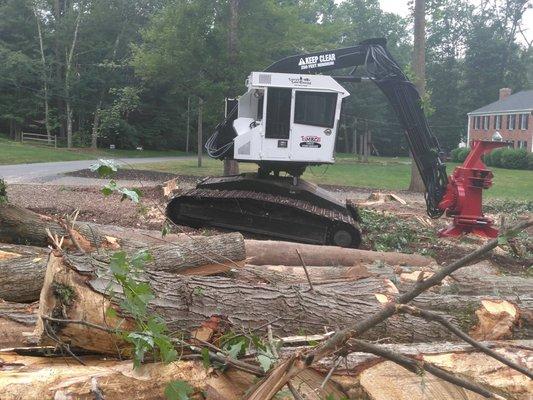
point(231, 167)
point(186, 302)
point(96, 126)
point(44, 78)
point(21, 226)
point(17, 322)
point(22, 270)
point(419, 69)
point(508, 287)
point(270, 252)
point(68, 71)
point(200, 135)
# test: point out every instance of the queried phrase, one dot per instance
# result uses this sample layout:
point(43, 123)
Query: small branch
point(417, 366)
point(305, 270)
point(294, 391)
point(430, 316)
point(195, 349)
point(330, 373)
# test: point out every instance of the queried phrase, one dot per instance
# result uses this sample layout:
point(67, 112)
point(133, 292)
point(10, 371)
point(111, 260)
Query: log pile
point(60, 340)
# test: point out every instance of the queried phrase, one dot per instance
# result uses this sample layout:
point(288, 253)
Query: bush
point(509, 158)
point(494, 159)
point(459, 154)
point(514, 159)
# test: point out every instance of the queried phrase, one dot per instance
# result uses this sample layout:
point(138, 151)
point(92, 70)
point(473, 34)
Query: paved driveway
point(53, 172)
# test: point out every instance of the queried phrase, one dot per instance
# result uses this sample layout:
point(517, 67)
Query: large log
point(187, 302)
point(474, 280)
point(268, 252)
point(17, 322)
point(367, 376)
point(37, 378)
point(21, 226)
point(22, 271)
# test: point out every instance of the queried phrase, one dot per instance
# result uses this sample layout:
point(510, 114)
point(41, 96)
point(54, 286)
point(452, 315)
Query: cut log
point(22, 271)
point(37, 378)
point(185, 303)
point(268, 252)
point(21, 226)
point(22, 268)
point(475, 281)
point(296, 274)
point(17, 322)
point(387, 380)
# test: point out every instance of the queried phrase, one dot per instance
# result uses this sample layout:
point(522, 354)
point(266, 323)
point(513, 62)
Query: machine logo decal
point(310, 142)
point(301, 81)
point(323, 60)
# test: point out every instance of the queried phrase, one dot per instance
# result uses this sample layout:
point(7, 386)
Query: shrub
point(459, 154)
point(530, 161)
point(514, 159)
point(495, 157)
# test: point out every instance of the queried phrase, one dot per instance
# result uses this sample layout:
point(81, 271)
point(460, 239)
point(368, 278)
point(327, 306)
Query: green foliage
point(3, 192)
point(459, 154)
point(150, 334)
point(508, 158)
point(107, 169)
point(178, 390)
point(385, 232)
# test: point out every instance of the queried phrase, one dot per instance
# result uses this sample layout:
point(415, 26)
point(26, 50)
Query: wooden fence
point(37, 137)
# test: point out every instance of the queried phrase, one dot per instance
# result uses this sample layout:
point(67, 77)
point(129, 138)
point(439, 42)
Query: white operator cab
point(288, 118)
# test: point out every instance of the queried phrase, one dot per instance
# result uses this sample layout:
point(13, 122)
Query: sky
point(400, 7)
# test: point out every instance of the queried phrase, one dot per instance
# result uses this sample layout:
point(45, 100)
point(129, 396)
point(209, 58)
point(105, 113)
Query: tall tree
point(419, 70)
point(231, 167)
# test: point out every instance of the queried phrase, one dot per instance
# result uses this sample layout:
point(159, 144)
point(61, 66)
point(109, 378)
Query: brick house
point(511, 116)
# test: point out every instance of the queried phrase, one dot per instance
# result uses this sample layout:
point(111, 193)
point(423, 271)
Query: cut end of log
point(496, 320)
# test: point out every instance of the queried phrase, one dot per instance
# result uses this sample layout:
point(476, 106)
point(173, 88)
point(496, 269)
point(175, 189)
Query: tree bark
point(419, 69)
point(22, 270)
point(44, 78)
point(21, 226)
point(269, 252)
point(68, 72)
point(186, 302)
point(17, 322)
point(96, 126)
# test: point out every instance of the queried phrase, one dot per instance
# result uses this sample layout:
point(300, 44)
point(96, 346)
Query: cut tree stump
point(17, 322)
point(269, 252)
point(22, 271)
point(185, 303)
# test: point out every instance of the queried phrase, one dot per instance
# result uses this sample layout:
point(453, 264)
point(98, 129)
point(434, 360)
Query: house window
point(498, 122)
point(477, 122)
point(486, 120)
point(511, 120)
point(523, 121)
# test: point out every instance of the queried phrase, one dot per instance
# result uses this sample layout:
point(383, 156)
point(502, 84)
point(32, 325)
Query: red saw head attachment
point(463, 197)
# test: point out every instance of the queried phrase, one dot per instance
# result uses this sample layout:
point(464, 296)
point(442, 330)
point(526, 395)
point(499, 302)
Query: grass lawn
point(379, 173)
point(17, 153)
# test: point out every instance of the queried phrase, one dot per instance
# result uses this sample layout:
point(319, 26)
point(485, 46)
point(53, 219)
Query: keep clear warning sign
point(322, 60)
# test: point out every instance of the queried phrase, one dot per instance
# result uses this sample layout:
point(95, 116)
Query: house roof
point(521, 101)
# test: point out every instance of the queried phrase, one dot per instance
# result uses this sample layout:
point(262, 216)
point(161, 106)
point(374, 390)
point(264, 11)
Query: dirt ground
point(387, 225)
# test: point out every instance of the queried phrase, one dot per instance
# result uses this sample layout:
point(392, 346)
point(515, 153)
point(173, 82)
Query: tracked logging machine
point(288, 120)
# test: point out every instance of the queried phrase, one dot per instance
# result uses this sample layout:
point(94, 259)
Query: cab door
point(276, 143)
point(314, 125)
